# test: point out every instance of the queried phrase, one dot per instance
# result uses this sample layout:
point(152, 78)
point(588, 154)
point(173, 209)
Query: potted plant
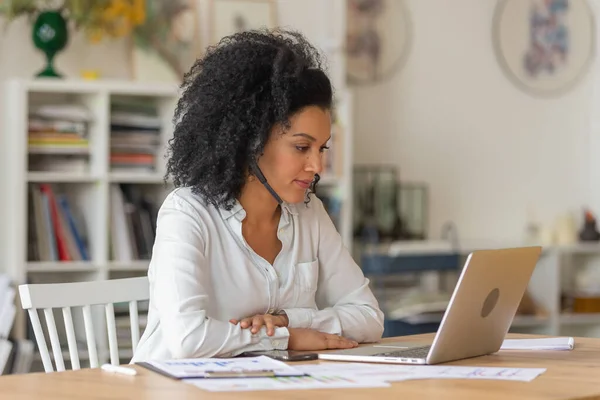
point(51, 22)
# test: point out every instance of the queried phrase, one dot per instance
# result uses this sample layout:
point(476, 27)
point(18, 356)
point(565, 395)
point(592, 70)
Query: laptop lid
point(484, 303)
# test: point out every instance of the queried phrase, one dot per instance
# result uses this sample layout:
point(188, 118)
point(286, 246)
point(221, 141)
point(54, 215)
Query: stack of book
point(58, 138)
point(55, 231)
point(135, 136)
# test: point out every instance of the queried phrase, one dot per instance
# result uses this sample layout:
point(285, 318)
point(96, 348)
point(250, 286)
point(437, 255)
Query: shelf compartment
point(139, 130)
point(59, 221)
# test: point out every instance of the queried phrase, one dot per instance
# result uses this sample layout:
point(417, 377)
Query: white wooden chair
point(82, 294)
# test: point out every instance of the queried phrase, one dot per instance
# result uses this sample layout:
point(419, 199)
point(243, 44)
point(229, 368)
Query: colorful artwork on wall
point(544, 46)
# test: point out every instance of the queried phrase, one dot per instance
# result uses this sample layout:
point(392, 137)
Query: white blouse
point(203, 273)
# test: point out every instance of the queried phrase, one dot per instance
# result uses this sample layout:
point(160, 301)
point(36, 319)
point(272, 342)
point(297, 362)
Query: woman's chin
point(293, 198)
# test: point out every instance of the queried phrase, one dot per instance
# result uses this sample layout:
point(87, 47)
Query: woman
point(245, 258)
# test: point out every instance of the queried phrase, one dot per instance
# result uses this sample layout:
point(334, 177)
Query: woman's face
point(290, 161)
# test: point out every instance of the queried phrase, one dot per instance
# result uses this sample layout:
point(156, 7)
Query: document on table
point(364, 375)
point(205, 367)
point(392, 373)
point(552, 343)
point(320, 381)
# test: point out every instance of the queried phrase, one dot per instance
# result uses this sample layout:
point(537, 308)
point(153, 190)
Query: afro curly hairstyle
point(230, 101)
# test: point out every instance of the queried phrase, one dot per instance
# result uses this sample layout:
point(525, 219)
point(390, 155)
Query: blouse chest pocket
point(306, 276)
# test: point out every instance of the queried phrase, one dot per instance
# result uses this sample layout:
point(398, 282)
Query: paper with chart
point(393, 373)
point(363, 375)
point(321, 381)
point(198, 367)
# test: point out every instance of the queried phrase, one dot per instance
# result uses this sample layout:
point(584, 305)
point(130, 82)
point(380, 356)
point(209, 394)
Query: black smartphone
point(283, 355)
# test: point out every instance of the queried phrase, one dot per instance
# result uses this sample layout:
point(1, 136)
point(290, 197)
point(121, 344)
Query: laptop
point(477, 319)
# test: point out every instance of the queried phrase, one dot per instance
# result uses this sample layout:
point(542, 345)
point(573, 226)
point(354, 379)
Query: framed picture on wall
point(544, 46)
point(378, 39)
point(166, 45)
point(231, 16)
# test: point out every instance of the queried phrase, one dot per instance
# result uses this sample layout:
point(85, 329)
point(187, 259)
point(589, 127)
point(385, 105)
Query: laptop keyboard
point(415, 352)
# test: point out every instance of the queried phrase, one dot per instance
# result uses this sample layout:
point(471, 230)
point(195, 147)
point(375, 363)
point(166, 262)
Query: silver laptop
point(480, 312)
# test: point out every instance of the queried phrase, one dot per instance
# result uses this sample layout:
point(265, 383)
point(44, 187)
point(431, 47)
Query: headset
point(263, 180)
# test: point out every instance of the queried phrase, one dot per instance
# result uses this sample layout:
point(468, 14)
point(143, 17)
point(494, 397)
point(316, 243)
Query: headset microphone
point(263, 180)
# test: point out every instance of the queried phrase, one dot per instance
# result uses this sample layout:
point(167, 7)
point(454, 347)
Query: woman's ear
point(249, 175)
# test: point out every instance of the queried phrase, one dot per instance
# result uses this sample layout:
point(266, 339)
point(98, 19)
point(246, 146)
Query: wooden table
point(570, 375)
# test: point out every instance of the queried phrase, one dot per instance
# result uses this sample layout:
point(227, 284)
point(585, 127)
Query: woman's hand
point(309, 339)
point(268, 320)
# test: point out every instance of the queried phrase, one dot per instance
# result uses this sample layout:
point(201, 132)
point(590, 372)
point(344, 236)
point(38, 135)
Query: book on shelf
point(135, 136)
point(58, 138)
point(55, 229)
point(62, 111)
point(132, 223)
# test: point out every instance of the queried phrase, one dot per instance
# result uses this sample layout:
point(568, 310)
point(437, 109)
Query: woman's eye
point(302, 148)
point(322, 149)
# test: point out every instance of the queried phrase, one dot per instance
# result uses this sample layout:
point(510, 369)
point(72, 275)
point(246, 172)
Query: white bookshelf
point(91, 189)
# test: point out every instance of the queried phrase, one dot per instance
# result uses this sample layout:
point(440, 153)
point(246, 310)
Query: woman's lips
point(303, 184)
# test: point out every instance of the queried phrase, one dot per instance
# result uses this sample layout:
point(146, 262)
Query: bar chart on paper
point(395, 373)
point(325, 381)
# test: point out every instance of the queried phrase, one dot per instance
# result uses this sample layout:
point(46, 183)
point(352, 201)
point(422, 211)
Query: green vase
point(50, 35)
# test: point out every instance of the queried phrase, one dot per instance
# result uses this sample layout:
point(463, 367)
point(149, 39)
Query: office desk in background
point(570, 375)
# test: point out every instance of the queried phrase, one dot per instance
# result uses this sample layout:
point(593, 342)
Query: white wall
point(111, 57)
point(19, 57)
point(452, 119)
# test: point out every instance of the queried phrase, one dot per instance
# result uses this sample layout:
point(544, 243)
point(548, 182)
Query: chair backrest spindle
point(112, 334)
point(134, 321)
point(71, 341)
point(56, 350)
point(66, 296)
point(90, 336)
point(40, 339)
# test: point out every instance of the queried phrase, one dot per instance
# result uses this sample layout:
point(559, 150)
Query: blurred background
point(459, 125)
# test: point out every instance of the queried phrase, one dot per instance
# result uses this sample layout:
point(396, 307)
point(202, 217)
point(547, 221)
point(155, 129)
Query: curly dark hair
point(231, 99)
